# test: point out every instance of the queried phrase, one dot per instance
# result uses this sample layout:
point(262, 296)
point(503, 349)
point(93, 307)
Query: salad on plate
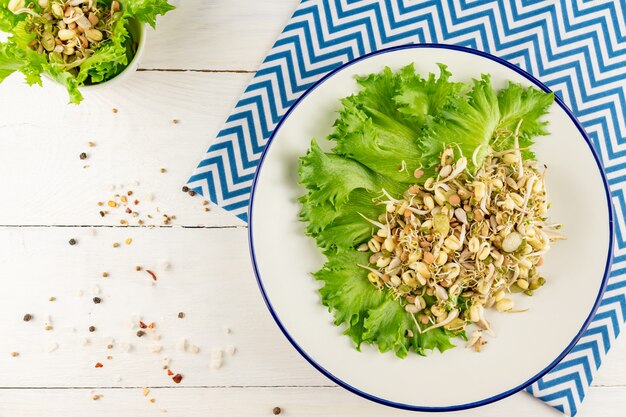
point(431, 208)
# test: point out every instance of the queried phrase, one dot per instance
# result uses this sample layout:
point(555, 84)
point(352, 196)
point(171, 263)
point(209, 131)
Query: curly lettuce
point(396, 124)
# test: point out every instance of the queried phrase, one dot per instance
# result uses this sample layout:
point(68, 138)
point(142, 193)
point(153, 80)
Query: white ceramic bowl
point(527, 345)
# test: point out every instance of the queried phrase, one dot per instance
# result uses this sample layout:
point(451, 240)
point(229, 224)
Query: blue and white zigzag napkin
point(576, 47)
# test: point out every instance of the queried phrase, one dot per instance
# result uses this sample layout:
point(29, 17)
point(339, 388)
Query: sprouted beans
point(68, 32)
point(463, 242)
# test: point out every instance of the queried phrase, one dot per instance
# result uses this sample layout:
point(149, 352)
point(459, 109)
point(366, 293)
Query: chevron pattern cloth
point(576, 47)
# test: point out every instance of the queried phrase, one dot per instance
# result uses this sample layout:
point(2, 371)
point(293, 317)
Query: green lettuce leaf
point(331, 178)
point(386, 145)
point(347, 293)
point(421, 99)
point(111, 57)
point(466, 124)
point(348, 228)
point(8, 19)
point(525, 104)
point(146, 11)
point(9, 60)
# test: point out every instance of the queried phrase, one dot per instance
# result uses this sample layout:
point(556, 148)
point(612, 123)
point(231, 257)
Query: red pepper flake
point(177, 378)
point(152, 274)
point(169, 372)
point(142, 324)
point(128, 210)
point(99, 365)
point(151, 326)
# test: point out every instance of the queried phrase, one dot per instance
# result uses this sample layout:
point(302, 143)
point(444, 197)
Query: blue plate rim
point(493, 398)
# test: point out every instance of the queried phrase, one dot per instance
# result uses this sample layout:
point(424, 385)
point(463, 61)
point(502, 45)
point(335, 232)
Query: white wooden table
point(195, 67)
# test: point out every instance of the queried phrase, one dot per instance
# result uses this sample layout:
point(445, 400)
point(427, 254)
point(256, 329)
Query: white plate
point(527, 345)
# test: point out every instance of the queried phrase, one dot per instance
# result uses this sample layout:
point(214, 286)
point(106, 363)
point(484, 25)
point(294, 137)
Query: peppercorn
point(185, 189)
point(192, 193)
point(83, 155)
point(28, 317)
point(181, 315)
point(276, 411)
point(72, 241)
point(140, 333)
point(92, 329)
point(97, 300)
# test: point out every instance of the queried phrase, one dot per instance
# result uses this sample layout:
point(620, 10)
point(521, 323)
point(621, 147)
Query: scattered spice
point(15, 354)
point(276, 411)
point(185, 189)
point(48, 327)
point(72, 241)
point(99, 365)
point(124, 222)
point(146, 391)
point(116, 245)
point(128, 241)
point(28, 317)
point(174, 121)
point(109, 357)
point(114, 110)
point(102, 213)
point(142, 325)
point(152, 274)
point(177, 378)
point(110, 346)
point(92, 329)
point(216, 358)
point(91, 144)
point(52, 299)
point(97, 300)
point(152, 400)
point(231, 350)
point(163, 170)
point(83, 155)
point(169, 371)
point(151, 326)
point(96, 397)
point(192, 193)
point(205, 203)
point(181, 315)
point(137, 268)
point(105, 275)
point(140, 333)
point(112, 203)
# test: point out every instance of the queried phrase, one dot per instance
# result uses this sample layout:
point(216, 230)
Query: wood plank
point(210, 280)
point(216, 35)
point(44, 182)
point(251, 402)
